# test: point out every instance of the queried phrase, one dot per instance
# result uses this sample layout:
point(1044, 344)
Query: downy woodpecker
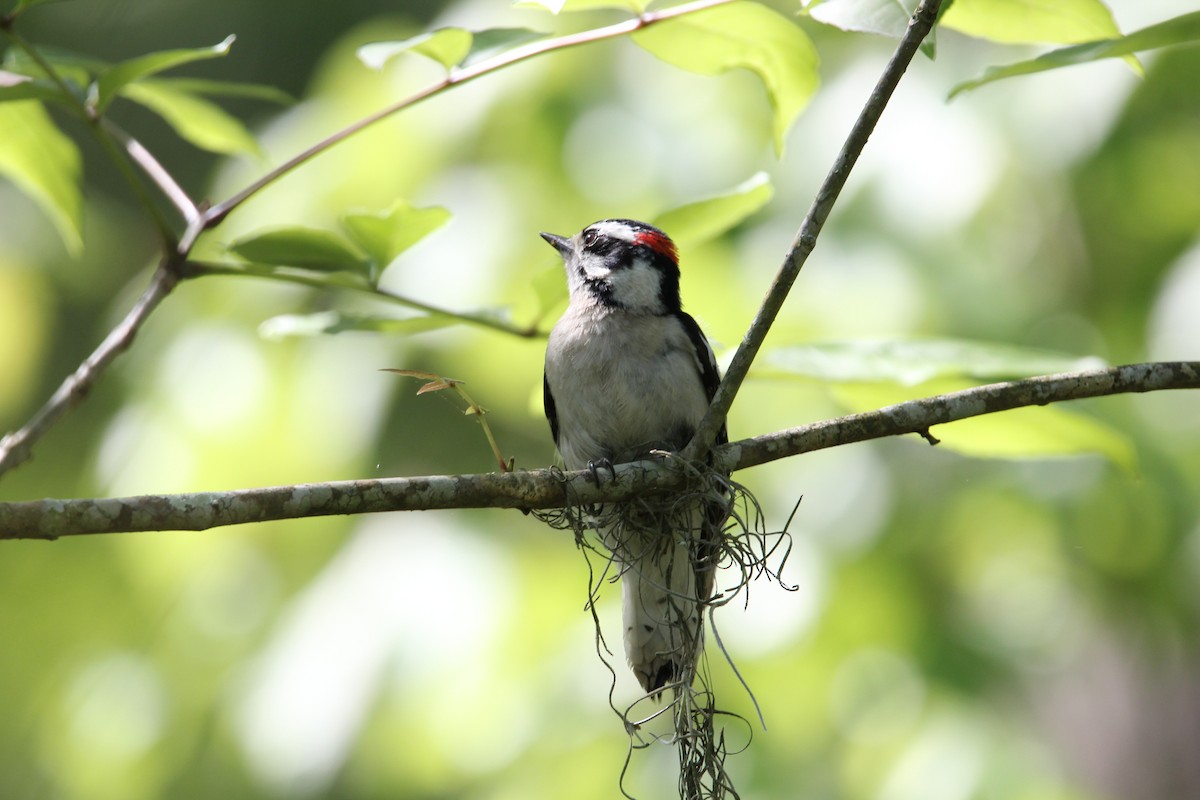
point(628, 372)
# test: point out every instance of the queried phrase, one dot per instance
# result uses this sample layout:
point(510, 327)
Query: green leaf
point(303, 276)
point(487, 43)
point(73, 68)
point(1021, 433)
point(113, 79)
point(1032, 21)
point(915, 361)
point(248, 91)
point(197, 120)
point(559, 6)
point(882, 17)
point(447, 46)
point(14, 86)
point(1180, 30)
point(451, 47)
point(695, 223)
point(327, 322)
point(867, 375)
point(1038, 433)
point(303, 248)
point(44, 164)
point(386, 234)
point(747, 35)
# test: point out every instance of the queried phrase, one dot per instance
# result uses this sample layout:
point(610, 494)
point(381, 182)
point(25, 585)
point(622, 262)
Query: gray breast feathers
point(622, 385)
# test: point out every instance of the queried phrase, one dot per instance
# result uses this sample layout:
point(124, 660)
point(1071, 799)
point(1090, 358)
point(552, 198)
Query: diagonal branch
point(918, 28)
point(154, 170)
point(15, 447)
point(50, 519)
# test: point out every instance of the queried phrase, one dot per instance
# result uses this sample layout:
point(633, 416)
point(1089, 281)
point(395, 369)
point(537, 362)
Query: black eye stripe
point(603, 246)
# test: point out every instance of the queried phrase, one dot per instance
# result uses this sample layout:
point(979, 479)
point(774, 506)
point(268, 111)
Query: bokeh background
point(962, 628)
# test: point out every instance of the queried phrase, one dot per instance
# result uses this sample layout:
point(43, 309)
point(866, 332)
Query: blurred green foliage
point(963, 627)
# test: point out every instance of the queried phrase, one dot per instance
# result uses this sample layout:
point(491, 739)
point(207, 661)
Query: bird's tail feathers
point(662, 615)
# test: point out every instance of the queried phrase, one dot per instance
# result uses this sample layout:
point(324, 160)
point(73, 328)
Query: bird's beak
point(560, 243)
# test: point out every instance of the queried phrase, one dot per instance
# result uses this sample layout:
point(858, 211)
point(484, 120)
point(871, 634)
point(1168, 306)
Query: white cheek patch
point(595, 269)
point(637, 288)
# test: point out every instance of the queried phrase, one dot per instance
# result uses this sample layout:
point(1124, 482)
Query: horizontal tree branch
point(918, 416)
point(549, 488)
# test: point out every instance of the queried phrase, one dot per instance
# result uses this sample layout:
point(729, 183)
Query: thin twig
point(199, 269)
point(154, 171)
point(16, 447)
point(49, 519)
point(806, 239)
point(124, 166)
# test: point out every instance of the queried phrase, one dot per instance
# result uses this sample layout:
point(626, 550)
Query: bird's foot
point(594, 467)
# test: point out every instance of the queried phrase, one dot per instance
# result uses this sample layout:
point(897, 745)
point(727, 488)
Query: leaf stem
point(125, 167)
point(199, 269)
point(480, 414)
point(437, 383)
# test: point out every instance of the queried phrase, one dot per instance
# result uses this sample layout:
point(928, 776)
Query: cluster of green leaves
point(366, 245)
point(711, 38)
point(1177, 31)
point(45, 162)
point(1087, 25)
point(708, 41)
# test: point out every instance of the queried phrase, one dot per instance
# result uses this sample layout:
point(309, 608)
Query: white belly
point(622, 385)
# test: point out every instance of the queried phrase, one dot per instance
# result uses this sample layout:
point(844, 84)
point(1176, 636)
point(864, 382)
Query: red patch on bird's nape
point(659, 243)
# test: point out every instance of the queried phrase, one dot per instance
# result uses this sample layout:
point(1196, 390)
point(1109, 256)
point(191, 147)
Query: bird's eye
point(589, 237)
